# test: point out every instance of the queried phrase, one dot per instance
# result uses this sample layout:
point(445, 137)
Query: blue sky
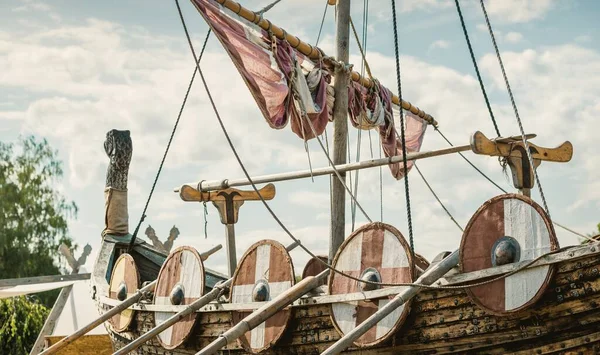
point(73, 70)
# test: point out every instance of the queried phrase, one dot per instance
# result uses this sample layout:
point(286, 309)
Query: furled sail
point(373, 108)
point(289, 86)
point(272, 70)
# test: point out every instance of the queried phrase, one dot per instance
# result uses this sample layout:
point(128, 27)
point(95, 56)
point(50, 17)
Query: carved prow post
point(119, 148)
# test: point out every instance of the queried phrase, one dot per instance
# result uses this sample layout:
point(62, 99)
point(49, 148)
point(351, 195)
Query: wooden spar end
point(227, 201)
point(508, 147)
point(514, 152)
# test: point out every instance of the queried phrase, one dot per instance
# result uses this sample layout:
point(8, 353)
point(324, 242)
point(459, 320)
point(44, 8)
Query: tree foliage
point(21, 320)
point(33, 214)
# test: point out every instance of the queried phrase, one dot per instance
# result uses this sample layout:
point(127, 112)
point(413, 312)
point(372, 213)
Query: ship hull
point(566, 320)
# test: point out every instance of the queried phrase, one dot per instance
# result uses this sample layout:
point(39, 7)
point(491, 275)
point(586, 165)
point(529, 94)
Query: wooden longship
point(566, 320)
point(508, 289)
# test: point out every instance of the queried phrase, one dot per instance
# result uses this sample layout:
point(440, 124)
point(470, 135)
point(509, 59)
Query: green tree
point(33, 214)
point(21, 320)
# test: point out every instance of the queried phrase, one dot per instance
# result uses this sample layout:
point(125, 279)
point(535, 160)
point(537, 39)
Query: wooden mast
point(337, 232)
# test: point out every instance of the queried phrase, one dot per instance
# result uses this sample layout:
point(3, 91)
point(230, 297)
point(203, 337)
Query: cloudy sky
point(71, 70)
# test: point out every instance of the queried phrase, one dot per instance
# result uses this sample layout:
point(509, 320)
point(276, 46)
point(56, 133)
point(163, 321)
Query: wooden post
point(228, 202)
point(231, 254)
point(340, 134)
point(60, 302)
point(50, 322)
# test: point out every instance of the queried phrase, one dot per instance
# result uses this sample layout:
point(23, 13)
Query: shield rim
point(112, 274)
point(287, 310)
point(400, 321)
point(553, 246)
point(203, 273)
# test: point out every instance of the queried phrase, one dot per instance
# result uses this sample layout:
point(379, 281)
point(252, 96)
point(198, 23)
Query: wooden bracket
point(227, 201)
point(513, 149)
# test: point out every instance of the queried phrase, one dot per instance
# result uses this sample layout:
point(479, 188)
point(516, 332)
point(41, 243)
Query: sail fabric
point(414, 132)
point(272, 70)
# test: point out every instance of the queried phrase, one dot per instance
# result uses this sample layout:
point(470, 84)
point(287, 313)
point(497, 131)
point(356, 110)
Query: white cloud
point(583, 39)
point(513, 37)
point(78, 81)
point(423, 5)
point(441, 44)
point(518, 11)
point(310, 199)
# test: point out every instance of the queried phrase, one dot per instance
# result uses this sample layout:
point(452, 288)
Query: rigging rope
point(276, 218)
point(437, 198)
point(268, 7)
point(514, 105)
point(322, 22)
point(137, 228)
point(403, 138)
point(487, 101)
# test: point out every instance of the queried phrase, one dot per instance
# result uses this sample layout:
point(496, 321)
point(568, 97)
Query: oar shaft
point(103, 318)
point(428, 277)
point(226, 183)
point(115, 310)
point(193, 307)
point(265, 312)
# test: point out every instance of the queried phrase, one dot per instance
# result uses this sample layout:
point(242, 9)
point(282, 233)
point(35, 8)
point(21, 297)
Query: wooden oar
point(199, 303)
point(429, 276)
point(114, 311)
point(265, 312)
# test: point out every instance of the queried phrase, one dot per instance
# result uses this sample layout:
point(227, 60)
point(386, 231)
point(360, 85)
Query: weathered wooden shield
point(421, 262)
point(124, 282)
point(314, 267)
point(506, 229)
point(375, 252)
point(180, 282)
point(264, 272)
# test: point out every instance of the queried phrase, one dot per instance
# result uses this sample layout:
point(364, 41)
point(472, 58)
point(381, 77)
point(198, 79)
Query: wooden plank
point(43, 279)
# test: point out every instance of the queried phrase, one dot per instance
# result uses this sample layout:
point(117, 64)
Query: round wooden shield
point(377, 252)
point(506, 229)
point(124, 282)
point(180, 282)
point(264, 272)
point(314, 267)
point(421, 262)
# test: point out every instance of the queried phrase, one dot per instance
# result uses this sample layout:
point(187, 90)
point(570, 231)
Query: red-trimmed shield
point(183, 271)
point(376, 248)
point(527, 233)
point(314, 267)
point(124, 282)
point(266, 265)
